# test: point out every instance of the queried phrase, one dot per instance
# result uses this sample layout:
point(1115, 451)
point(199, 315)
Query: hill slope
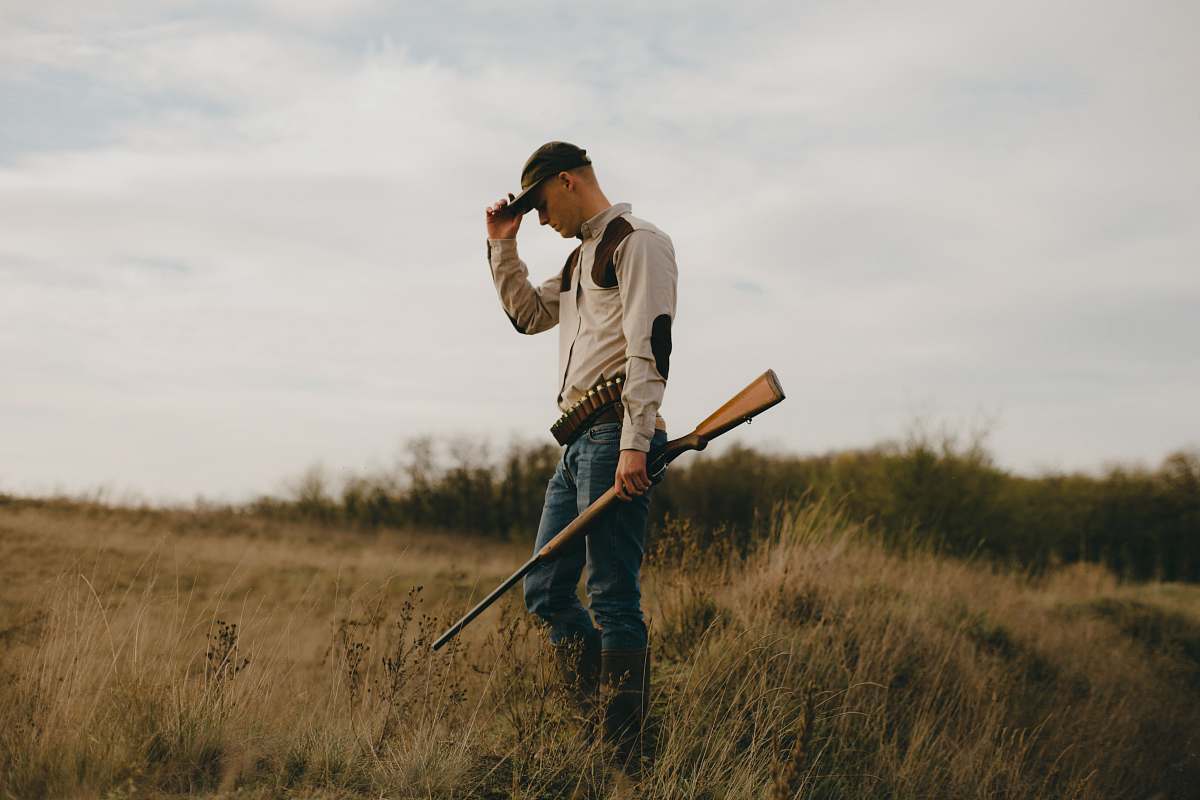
point(157, 654)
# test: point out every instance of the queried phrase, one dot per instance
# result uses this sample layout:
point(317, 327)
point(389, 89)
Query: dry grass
point(151, 655)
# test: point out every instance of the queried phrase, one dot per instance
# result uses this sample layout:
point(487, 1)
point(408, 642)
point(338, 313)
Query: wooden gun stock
point(764, 392)
point(756, 398)
point(744, 406)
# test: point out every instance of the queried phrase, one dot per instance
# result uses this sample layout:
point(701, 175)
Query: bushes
point(1141, 523)
point(926, 491)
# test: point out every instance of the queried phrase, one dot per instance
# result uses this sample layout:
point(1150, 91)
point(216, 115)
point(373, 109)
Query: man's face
point(558, 207)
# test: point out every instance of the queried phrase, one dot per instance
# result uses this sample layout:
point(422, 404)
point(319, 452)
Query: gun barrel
point(453, 630)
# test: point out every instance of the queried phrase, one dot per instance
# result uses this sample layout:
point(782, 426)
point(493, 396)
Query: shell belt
point(587, 410)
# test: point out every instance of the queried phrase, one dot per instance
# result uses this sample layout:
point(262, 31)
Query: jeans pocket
point(605, 432)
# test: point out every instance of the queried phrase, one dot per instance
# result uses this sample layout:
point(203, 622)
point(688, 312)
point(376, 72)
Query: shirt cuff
point(633, 438)
point(500, 250)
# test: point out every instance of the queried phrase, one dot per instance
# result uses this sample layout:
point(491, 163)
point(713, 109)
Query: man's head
point(559, 182)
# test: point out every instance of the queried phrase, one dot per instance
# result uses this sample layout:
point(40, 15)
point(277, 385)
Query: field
point(163, 653)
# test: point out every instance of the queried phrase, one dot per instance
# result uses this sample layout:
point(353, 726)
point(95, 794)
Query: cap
point(549, 159)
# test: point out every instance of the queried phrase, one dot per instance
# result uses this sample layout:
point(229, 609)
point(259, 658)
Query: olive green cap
point(548, 160)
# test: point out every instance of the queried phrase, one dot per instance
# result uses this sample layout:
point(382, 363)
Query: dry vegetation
point(159, 654)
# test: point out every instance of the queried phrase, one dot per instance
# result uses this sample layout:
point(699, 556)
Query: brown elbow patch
point(568, 270)
point(660, 343)
point(604, 270)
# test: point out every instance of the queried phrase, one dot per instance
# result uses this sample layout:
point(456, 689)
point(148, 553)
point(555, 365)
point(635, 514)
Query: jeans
point(612, 549)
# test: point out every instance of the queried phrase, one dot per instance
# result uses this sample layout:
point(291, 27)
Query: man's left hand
point(631, 474)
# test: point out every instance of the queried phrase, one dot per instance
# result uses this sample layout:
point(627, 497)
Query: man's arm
point(530, 309)
point(646, 276)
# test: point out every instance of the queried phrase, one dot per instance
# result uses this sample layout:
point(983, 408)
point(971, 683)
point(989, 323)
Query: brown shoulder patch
point(604, 272)
point(569, 269)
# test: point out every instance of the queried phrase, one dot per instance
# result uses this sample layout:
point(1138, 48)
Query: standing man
point(613, 301)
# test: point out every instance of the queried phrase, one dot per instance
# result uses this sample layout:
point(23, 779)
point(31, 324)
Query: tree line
point(1141, 522)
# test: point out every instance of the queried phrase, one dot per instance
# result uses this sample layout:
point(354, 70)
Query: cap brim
point(523, 202)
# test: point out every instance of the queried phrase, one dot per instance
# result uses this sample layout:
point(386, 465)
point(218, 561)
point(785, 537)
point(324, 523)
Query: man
point(613, 302)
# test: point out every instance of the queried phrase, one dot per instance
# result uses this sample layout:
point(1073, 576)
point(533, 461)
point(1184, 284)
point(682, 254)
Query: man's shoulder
point(637, 224)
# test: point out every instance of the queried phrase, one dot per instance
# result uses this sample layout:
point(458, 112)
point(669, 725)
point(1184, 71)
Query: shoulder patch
point(604, 272)
point(569, 269)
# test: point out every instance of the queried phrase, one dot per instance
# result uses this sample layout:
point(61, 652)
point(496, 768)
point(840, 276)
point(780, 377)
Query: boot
point(626, 677)
point(578, 660)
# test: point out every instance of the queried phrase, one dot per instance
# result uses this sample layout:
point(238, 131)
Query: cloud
point(239, 241)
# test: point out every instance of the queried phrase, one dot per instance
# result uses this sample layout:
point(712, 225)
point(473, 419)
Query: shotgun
point(756, 398)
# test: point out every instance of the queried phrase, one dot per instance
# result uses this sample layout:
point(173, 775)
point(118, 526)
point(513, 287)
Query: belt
point(613, 413)
point(601, 404)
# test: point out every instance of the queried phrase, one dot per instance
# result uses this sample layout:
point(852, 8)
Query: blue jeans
point(612, 549)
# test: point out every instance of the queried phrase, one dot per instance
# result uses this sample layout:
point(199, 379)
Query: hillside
point(153, 654)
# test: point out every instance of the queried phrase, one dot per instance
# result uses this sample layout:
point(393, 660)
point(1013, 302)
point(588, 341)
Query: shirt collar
point(596, 225)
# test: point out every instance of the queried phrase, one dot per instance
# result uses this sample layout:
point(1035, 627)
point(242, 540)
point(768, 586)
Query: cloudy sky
point(237, 239)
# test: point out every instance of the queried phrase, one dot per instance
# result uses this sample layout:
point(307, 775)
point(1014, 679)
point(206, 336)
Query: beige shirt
point(613, 302)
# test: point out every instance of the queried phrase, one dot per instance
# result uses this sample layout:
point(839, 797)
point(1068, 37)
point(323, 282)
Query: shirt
point(613, 302)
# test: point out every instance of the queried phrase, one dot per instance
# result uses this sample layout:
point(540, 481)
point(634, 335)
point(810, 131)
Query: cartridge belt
point(612, 413)
point(602, 403)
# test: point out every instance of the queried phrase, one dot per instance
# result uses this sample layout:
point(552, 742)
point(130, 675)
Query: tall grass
point(816, 663)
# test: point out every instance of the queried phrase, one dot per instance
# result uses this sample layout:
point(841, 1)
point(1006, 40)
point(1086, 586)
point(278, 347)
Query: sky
point(240, 239)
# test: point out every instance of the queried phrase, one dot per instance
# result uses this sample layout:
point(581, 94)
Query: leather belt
point(602, 403)
point(613, 413)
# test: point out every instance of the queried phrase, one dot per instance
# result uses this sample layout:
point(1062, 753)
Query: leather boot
point(626, 676)
point(578, 660)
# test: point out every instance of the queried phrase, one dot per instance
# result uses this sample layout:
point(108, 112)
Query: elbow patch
point(660, 343)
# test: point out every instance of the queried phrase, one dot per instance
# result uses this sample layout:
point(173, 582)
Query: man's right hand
point(501, 224)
